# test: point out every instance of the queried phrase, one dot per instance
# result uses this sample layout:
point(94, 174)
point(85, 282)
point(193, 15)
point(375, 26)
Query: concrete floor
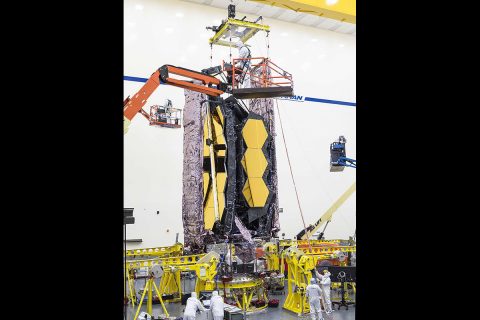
point(176, 310)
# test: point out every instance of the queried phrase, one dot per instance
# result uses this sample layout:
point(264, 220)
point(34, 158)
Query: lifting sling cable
point(230, 44)
point(211, 54)
point(293, 179)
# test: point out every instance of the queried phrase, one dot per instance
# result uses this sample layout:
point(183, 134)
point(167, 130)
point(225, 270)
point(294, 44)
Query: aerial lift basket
point(165, 116)
point(267, 80)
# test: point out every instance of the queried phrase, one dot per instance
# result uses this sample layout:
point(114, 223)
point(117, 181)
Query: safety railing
point(261, 72)
point(165, 117)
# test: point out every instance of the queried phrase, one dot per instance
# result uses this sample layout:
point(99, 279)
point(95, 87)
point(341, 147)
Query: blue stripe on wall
point(343, 103)
point(136, 79)
point(310, 99)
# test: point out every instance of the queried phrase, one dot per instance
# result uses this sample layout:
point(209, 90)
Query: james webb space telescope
point(230, 180)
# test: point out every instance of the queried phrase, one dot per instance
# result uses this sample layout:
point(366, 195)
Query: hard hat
point(313, 281)
point(214, 293)
point(194, 295)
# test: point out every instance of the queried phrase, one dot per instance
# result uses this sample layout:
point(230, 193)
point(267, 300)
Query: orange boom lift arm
point(199, 82)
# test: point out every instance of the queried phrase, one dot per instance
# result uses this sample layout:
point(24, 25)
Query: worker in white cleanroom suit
point(313, 295)
point(319, 276)
point(216, 305)
point(243, 53)
point(193, 304)
point(325, 283)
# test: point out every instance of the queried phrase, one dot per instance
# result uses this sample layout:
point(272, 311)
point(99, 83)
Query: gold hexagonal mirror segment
point(247, 193)
point(257, 191)
point(254, 133)
point(254, 163)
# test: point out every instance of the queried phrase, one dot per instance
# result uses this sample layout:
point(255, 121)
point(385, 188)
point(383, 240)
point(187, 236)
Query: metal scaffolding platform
point(258, 78)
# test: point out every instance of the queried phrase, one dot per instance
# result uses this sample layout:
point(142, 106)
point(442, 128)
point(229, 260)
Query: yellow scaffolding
point(290, 243)
point(175, 250)
point(300, 266)
point(204, 265)
point(243, 290)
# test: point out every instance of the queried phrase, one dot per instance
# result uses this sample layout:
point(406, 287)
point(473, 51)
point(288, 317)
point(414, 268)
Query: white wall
point(159, 32)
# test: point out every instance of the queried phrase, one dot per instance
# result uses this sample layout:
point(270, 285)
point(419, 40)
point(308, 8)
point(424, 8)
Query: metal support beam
point(212, 164)
point(341, 10)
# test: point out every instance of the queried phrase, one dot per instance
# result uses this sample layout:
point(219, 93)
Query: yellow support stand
point(206, 270)
point(150, 298)
point(205, 267)
point(300, 267)
point(170, 283)
point(131, 288)
point(148, 287)
point(299, 275)
point(160, 299)
point(245, 288)
point(271, 253)
point(140, 303)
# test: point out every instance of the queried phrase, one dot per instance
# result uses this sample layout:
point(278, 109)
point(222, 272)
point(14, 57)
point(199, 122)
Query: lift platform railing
point(262, 71)
point(165, 117)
